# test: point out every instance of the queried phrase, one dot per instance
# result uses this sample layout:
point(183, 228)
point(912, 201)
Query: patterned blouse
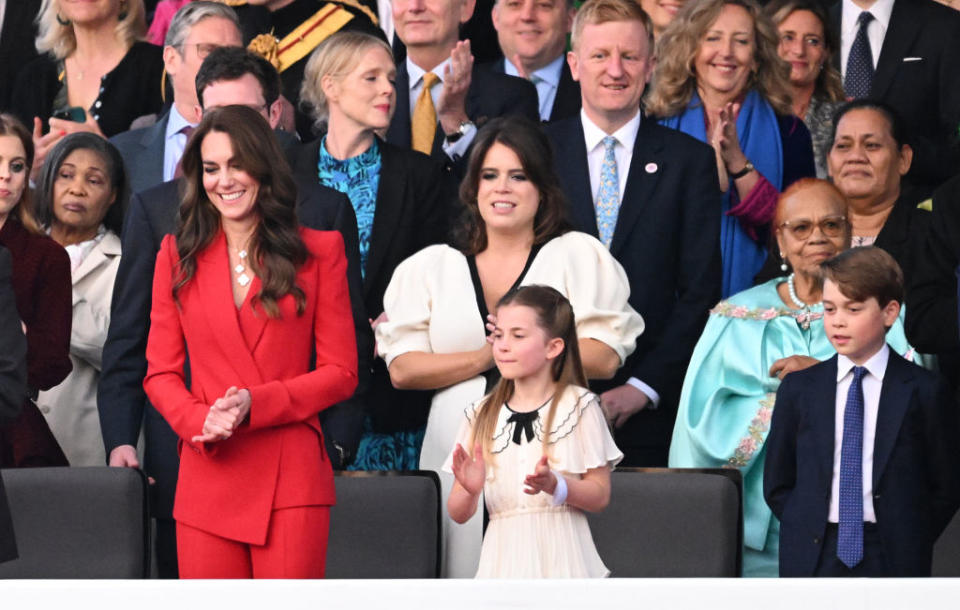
point(819, 119)
point(358, 178)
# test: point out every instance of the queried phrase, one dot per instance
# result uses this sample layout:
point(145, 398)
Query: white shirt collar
point(880, 10)
point(550, 73)
point(626, 135)
point(876, 365)
point(416, 73)
point(176, 122)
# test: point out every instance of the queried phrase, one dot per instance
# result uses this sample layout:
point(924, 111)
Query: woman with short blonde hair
point(719, 79)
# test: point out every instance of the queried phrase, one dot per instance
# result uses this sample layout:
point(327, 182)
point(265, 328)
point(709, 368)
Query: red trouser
point(296, 547)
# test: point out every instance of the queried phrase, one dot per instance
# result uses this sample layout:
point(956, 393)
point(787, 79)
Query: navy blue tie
point(859, 76)
point(850, 537)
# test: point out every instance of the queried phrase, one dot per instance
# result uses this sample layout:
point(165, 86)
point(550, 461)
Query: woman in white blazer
point(80, 200)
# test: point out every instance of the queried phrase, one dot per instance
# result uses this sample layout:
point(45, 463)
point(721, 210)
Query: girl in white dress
point(541, 452)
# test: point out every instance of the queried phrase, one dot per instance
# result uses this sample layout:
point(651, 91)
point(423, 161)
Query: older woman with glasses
point(751, 341)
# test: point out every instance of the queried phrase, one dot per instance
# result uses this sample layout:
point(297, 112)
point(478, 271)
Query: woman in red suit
point(250, 297)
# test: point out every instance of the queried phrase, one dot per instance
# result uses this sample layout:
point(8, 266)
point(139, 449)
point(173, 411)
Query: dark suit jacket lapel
point(399, 131)
point(389, 207)
point(221, 313)
point(567, 101)
point(640, 182)
point(904, 28)
point(573, 167)
point(823, 415)
point(894, 402)
point(151, 160)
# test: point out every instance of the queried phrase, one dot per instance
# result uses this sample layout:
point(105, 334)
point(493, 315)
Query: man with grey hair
point(151, 154)
point(533, 37)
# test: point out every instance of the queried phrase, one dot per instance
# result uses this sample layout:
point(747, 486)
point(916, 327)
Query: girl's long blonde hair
point(555, 317)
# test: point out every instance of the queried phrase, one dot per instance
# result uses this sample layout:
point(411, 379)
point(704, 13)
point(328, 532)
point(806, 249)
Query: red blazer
point(276, 458)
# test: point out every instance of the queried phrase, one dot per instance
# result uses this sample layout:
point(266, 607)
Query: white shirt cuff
point(650, 392)
point(459, 148)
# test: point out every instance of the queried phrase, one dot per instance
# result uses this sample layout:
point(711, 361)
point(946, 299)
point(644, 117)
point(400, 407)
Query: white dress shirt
point(626, 137)
point(385, 18)
point(546, 80)
point(3, 11)
point(872, 384)
point(415, 72)
point(876, 29)
point(174, 142)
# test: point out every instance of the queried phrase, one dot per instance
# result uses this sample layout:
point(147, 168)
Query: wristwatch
point(743, 172)
point(460, 132)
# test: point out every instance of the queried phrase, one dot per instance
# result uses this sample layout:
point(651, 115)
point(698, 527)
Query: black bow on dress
point(523, 423)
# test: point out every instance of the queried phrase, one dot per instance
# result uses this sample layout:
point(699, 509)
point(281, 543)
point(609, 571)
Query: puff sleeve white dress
point(433, 305)
point(527, 536)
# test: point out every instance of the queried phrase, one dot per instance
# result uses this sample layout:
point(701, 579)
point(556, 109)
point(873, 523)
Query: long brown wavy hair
point(829, 84)
point(555, 316)
point(675, 77)
point(23, 211)
point(276, 250)
point(531, 146)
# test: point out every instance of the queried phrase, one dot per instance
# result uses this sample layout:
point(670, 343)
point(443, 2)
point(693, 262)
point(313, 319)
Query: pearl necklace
point(792, 289)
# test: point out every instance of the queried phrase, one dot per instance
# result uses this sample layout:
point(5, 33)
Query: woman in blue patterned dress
point(751, 341)
point(400, 198)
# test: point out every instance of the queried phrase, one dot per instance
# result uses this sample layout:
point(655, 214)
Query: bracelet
point(743, 172)
point(560, 493)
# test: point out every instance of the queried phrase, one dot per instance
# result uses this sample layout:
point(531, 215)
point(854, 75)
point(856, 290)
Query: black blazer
point(16, 45)
point(668, 240)
point(414, 209)
point(13, 383)
point(567, 101)
point(916, 468)
point(491, 95)
point(121, 400)
point(925, 91)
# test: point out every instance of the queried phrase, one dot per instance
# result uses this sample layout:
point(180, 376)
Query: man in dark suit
point(13, 384)
point(664, 229)
point(151, 215)
point(443, 120)
point(533, 38)
point(151, 154)
point(912, 65)
point(861, 469)
point(17, 35)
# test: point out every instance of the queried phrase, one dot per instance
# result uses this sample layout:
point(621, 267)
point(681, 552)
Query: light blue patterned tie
point(608, 195)
point(850, 535)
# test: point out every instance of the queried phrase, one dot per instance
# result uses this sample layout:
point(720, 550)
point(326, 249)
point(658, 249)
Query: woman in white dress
point(514, 232)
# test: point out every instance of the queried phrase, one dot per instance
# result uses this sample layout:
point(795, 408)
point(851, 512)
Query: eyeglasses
point(203, 48)
point(802, 228)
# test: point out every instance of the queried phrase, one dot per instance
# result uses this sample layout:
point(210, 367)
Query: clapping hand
point(726, 141)
point(542, 479)
point(225, 416)
point(452, 104)
point(470, 472)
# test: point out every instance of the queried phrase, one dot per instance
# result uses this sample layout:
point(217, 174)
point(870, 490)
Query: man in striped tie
point(862, 468)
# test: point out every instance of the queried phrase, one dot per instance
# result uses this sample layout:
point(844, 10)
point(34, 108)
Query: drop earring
point(783, 263)
point(62, 21)
point(123, 12)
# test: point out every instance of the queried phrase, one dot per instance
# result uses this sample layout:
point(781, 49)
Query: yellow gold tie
point(424, 123)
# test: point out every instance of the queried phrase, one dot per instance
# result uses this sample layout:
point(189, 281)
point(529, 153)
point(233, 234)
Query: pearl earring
point(783, 263)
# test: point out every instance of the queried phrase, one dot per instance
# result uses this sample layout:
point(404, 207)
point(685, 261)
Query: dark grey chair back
point(78, 523)
point(946, 552)
point(385, 525)
point(671, 522)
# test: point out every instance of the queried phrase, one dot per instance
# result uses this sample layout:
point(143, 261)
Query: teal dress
point(728, 399)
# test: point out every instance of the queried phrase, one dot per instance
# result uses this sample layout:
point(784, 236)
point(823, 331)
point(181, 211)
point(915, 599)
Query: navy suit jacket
point(925, 90)
point(142, 151)
point(121, 400)
point(916, 468)
point(567, 101)
point(491, 95)
point(668, 240)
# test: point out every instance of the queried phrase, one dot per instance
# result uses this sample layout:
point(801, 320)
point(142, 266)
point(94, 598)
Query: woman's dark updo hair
point(276, 249)
point(113, 165)
point(528, 142)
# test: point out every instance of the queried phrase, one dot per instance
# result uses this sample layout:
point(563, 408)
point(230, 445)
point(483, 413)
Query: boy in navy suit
point(861, 469)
